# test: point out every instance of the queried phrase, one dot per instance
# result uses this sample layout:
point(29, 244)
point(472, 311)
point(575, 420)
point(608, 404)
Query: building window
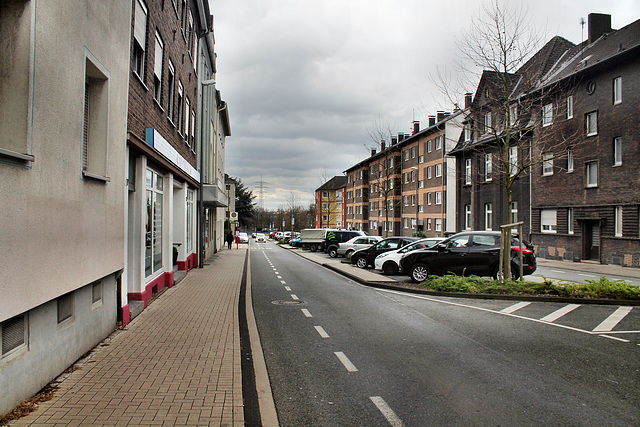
point(413, 152)
point(429, 172)
point(467, 172)
point(406, 200)
point(547, 115)
point(570, 221)
point(429, 146)
point(420, 208)
point(413, 200)
point(406, 223)
point(548, 221)
point(592, 173)
point(193, 130)
point(570, 107)
point(467, 217)
point(438, 224)
point(325, 218)
point(513, 160)
point(513, 114)
point(406, 155)
point(157, 69)
point(438, 170)
point(428, 198)
point(570, 161)
point(488, 166)
point(467, 132)
point(139, 38)
point(617, 151)
point(390, 227)
point(618, 221)
point(514, 212)
point(547, 164)
point(421, 184)
point(438, 197)
point(153, 224)
point(179, 109)
point(325, 206)
point(487, 122)
point(187, 109)
point(488, 216)
point(591, 123)
point(617, 90)
point(171, 87)
point(14, 334)
point(65, 307)
point(96, 121)
point(428, 223)
point(439, 143)
point(190, 220)
point(420, 159)
point(96, 293)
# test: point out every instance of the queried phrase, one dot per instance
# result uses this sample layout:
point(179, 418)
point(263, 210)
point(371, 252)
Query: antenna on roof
point(582, 22)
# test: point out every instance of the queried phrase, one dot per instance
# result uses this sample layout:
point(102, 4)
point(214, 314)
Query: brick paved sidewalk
point(177, 363)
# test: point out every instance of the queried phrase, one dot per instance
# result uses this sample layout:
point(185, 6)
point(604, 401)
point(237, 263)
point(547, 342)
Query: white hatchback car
point(261, 238)
point(389, 262)
point(357, 243)
point(244, 237)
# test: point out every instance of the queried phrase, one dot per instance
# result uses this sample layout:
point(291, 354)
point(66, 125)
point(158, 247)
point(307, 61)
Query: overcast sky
point(305, 79)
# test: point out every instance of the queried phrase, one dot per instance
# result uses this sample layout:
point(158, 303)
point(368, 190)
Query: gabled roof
point(335, 183)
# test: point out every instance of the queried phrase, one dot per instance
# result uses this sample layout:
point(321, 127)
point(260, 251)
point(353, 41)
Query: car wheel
point(333, 252)
point(314, 248)
point(390, 268)
point(361, 262)
point(419, 273)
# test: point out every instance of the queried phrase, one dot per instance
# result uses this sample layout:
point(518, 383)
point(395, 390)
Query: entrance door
point(591, 240)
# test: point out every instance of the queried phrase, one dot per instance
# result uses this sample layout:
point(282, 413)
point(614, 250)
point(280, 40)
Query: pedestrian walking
point(229, 239)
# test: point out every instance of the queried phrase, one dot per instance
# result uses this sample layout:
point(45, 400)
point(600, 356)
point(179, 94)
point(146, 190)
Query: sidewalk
point(177, 363)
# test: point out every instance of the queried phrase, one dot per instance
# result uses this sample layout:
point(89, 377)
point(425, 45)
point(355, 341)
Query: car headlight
point(384, 255)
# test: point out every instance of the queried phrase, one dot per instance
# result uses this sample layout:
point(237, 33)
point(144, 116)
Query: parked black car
point(366, 257)
point(469, 253)
point(334, 237)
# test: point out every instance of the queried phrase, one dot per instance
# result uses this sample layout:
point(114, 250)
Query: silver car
point(358, 242)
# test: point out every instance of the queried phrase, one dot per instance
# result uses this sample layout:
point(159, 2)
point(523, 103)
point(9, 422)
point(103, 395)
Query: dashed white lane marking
point(558, 271)
point(279, 277)
point(610, 322)
point(283, 282)
point(287, 288)
point(552, 317)
point(306, 313)
point(586, 275)
point(294, 297)
point(515, 307)
point(345, 361)
point(322, 332)
point(386, 410)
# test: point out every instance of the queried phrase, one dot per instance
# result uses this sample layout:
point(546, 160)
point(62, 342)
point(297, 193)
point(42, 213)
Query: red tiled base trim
point(126, 315)
point(165, 280)
point(189, 263)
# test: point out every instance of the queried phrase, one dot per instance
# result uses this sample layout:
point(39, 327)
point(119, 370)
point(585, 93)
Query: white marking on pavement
point(558, 271)
point(283, 282)
point(306, 313)
point(515, 307)
point(552, 317)
point(346, 362)
point(279, 277)
point(615, 338)
point(294, 297)
point(322, 332)
point(386, 410)
point(610, 322)
point(287, 288)
point(586, 275)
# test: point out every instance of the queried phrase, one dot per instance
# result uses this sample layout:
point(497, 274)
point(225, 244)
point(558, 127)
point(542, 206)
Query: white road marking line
point(558, 271)
point(322, 332)
point(615, 338)
point(283, 282)
point(306, 313)
point(610, 322)
point(586, 275)
point(279, 277)
point(345, 361)
point(552, 317)
point(287, 288)
point(386, 410)
point(294, 297)
point(515, 307)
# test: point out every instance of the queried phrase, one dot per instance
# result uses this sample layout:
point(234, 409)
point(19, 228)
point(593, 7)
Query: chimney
point(373, 152)
point(440, 116)
point(416, 127)
point(382, 145)
point(432, 120)
point(400, 136)
point(394, 140)
point(468, 98)
point(599, 24)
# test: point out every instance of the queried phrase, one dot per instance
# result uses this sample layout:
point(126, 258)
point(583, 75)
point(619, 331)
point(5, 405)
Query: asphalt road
point(339, 353)
point(571, 275)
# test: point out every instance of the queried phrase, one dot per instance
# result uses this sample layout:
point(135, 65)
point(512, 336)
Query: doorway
point(591, 240)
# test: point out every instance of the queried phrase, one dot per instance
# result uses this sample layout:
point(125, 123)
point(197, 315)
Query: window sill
point(135, 73)
point(158, 104)
point(547, 174)
point(171, 121)
point(591, 186)
point(616, 165)
point(593, 134)
point(103, 179)
point(15, 155)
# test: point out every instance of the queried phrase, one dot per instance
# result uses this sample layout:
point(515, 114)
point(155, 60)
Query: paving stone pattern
point(177, 363)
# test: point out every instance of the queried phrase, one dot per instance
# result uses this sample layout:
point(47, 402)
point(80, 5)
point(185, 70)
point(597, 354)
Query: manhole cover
point(288, 302)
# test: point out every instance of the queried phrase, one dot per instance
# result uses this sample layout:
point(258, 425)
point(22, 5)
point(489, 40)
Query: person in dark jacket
point(229, 239)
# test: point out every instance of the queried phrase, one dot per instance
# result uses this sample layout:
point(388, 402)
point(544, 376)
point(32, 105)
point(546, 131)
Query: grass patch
point(603, 288)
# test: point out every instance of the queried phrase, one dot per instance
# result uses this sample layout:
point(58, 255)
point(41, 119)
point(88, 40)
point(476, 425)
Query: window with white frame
point(569, 107)
point(467, 171)
point(488, 216)
point(171, 88)
point(618, 221)
point(570, 221)
point(467, 217)
point(438, 222)
point(429, 145)
point(406, 155)
point(428, 223)
point(438, 170)
point(547, 115)
point(428, 198)
point(429, 172)
point(413, 200)
point(513, 160)
point(325, 218)
point(514, 212)
point(439, 143)
point(413, 152)
point(488, 166)
point(390, 226)
point(157, 69)
point(592, 173)
point(187, 109)
point(325, 194)
point(421, 184)
point(406, 223)
point(14, 335)
point(406, 200)
point(547, 164)
point(487, 122)
point(420, 208)
point(413, 223)
point(325, 206)
point(420, 159)
point(513, 114)
point(406, 177)
point(139, 38)
point(467, 132)
point(179, 107)
point(153, 222)
point(413, 176)
point(438, 197)
point(617, 151)
point(591, 123)
point(548, 221)
point(570, 161)
point(617, 90)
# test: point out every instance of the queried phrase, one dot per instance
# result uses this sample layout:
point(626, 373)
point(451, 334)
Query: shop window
point(153, 225)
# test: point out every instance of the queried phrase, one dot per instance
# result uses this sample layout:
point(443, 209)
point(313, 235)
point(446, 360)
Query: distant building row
point(571, 157)
point(112, 142)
